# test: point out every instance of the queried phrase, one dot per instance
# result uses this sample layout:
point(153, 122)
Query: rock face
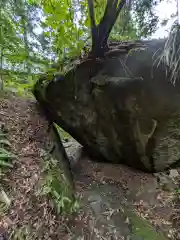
point(123, 108)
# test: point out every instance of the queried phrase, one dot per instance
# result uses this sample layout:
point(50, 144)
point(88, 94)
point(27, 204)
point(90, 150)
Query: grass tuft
point(170, 56)
point(6, 158)
point(55, 185)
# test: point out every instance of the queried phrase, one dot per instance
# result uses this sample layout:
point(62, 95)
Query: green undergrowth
point(6, 163)
point(55, 185)
point(19, 86)
point(142, 229)
point(23, 233)
point(6, 156)
point(63, 134)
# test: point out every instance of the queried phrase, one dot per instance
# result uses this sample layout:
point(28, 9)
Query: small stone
point(173, 173)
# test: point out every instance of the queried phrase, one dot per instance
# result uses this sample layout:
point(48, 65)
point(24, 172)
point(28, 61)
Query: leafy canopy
point(36, 33)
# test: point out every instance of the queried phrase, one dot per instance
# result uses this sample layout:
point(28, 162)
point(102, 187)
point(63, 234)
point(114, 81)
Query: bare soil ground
point(32, 216)
point(29, 216)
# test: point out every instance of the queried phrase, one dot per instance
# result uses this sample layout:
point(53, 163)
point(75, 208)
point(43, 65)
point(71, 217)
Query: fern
point(56, 187)
point(5, 142)
point(6, 156)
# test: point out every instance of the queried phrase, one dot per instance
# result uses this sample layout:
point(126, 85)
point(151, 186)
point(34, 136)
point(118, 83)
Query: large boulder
point(122, 108)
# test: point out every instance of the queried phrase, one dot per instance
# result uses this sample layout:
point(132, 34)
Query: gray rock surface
point(123, 109)
point(73, 150)
point(120, 203)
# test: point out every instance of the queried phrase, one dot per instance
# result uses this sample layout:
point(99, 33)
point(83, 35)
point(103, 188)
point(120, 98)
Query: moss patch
point(141, 228)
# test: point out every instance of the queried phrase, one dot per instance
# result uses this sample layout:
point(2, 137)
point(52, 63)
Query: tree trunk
point(100, 33)
point(122, 110)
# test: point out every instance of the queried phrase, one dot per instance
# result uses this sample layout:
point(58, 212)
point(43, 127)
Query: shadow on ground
point(122, 203)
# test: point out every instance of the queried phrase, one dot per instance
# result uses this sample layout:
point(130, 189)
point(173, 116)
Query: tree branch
point(105, 27)
point(111, 23)
point(121, 5)
point(94, 33)
point(100, 33)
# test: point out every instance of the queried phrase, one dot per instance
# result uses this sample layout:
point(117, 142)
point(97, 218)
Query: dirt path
point(115, 199)
point(133, 195)
point(139, 199)
point(30, 215)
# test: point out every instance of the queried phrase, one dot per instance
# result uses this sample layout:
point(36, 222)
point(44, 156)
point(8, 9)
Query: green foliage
point(22, 233)
point(56, 186)
point(34, 34)
point(171, 54)
point(68, 24)
point(145, 17)
point(6, 156)
point(178, 191)
point(21, 54)
point(124, 28)
point(59, 26)
point(64, 135)
point(4, 201)
point(137, 19)
point(142, 229)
